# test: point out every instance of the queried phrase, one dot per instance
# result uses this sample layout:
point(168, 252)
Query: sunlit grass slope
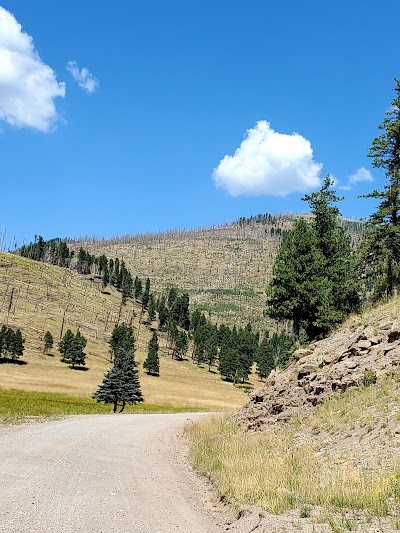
point(36, 297)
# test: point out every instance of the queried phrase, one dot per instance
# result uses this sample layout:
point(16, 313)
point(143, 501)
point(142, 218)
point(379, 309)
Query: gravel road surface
point(100, 474)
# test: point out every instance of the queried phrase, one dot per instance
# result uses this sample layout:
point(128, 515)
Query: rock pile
point(327, 368)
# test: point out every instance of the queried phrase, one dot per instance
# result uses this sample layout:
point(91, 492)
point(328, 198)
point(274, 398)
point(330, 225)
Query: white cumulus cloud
point(269, 163)
point(85, 79)
point(361, 174)
point(28, 86)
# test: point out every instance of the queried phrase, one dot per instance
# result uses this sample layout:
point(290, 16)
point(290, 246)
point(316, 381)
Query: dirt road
point(101, 474)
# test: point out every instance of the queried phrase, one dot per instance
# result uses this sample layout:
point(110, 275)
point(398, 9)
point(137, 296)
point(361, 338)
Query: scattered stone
point(306, 369)
point(332, 358)
point(351, 364)
point(356, 351)
point(364, 344)
point(302, 352)
point(375, 340)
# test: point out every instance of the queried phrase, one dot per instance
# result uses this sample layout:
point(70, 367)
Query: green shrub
point(369, 377)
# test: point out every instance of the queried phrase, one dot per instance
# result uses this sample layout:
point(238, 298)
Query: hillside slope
point(36, 297)
point(225, 269)
point(319, 444)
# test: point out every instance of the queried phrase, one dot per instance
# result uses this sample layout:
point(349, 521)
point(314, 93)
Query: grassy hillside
point(36, 297)
point(225, 269)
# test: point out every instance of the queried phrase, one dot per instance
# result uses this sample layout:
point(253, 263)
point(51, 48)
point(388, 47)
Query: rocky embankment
point(327, 368)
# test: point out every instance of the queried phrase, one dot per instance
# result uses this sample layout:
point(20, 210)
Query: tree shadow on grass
point(7, 361)
point(81, 368)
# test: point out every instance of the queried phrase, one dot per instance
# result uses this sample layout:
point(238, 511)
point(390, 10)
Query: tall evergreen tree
point(120, 385)
point(381, 248)
point(146, 294)
point(316, 282)
point(105, 277)
point(137, 288)
point(180, 346)
point(126, 286)
point(163, 314)
point(340, 258)
point(65, 344)
point(122, 338)
point(265, 360)
point(71, 347)
point(151, 311)
point(48, 342)
point(299, 290)
point(152, 362)
point(13, 343)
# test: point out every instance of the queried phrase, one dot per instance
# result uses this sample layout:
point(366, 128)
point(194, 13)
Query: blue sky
point(149, 135)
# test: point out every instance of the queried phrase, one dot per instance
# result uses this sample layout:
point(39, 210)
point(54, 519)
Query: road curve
point(99, 474)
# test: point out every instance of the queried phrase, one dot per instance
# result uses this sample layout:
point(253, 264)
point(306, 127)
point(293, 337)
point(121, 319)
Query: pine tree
point(126, 285)
point(120, 385)
point(181, 344)
point(137, 288)
point(152, 363)
point(163, 314)
point(381, 248)
point(316, 283)
point(228, 362)
point(299, 290)
point(122, 338)
point(146, 294)
point(205, 340)
point(340, 260)
point(74, 354)
point(172, 296)
point(71, 348)
point(15, 344)
point(65, 344)
point(105, 278)
point(48, 342)
point(265, 360)
point(151, 311)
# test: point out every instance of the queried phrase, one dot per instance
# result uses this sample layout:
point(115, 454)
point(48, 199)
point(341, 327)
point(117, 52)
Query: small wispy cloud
point(361, 174)
point(85, 79)
point(269, 163)
point(28, 87)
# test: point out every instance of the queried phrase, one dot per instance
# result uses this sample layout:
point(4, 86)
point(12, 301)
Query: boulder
point(364, 344)
point(375, 340)
point(306, 369)
point(332, 358)
point(302, 352)
point(351, 364)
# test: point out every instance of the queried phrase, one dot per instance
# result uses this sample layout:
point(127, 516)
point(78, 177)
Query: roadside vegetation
point(18, 406)
point(324, 463)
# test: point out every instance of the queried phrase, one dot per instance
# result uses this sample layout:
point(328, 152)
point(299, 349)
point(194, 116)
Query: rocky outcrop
point(327, 368)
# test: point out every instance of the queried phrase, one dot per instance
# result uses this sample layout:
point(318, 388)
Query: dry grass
point(224, 269)
point(35, 296)
point(344, 457)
